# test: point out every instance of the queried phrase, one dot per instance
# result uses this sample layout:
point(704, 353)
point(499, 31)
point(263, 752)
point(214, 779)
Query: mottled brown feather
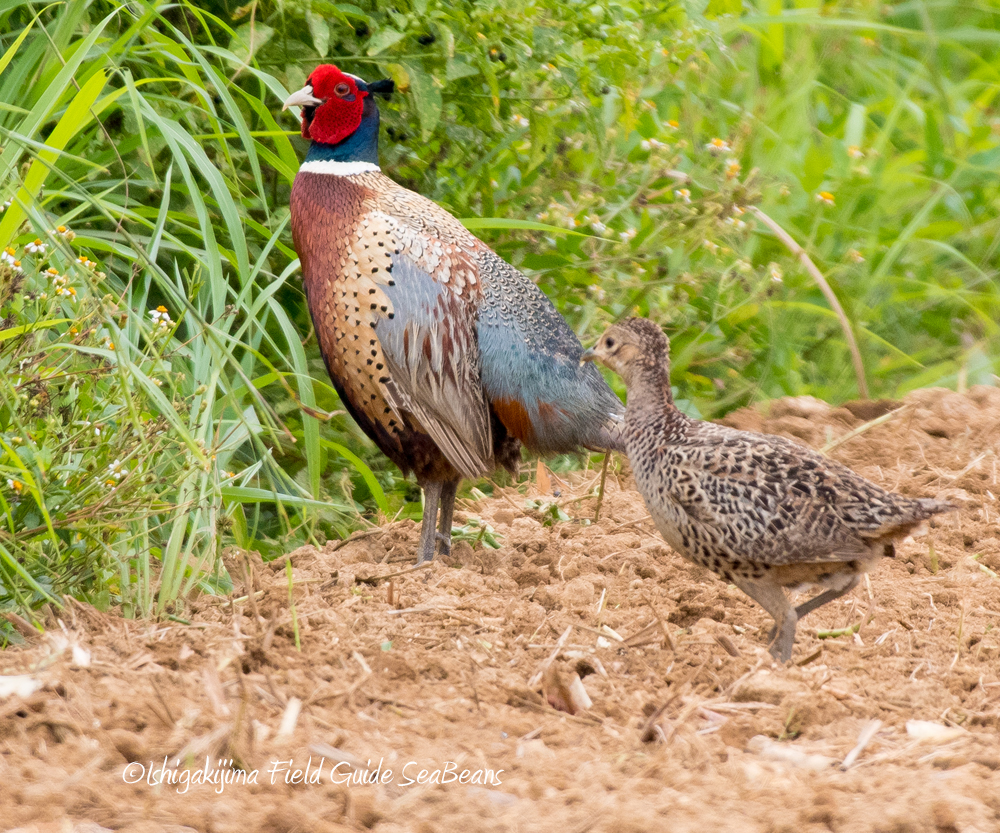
point(759, 510)
point(347, 230)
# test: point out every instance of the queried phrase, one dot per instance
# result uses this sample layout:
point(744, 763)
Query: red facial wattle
point(340, 113)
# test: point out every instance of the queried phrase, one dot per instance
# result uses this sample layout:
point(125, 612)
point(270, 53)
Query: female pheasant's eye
point(609, 343)
point(342, 89)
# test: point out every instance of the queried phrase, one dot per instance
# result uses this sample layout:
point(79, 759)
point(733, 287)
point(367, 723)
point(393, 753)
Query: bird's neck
point(360, 146)
point(650, 379)
point(649, 390)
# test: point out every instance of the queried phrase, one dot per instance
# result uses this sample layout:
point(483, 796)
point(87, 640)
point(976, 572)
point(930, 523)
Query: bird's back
point(531, 367)
point(728, 497)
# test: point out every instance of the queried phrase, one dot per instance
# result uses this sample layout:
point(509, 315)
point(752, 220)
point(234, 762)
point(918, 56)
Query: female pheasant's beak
point(588, 356)
point(302, 98)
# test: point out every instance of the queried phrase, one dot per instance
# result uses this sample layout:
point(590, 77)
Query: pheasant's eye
point(609, 343)
point(342, 89)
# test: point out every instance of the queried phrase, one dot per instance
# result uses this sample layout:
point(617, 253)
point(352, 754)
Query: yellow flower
point(732, 169)
point(717, 145)
point(855, 152)
point(673, 123)
point(825, 197)
point(16, 485)
point(683, 194)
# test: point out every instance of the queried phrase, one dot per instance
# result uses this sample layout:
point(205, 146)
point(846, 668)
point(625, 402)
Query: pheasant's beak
point(302, 98)
point(588, 356)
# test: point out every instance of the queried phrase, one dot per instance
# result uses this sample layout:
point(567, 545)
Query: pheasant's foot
point(444, 544)
point(428, 531)
point(782, 637)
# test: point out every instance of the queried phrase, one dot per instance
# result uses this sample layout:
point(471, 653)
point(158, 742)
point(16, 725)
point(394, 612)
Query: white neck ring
point(330, 166)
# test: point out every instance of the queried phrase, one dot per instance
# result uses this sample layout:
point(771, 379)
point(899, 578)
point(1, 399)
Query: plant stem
point(811, 268)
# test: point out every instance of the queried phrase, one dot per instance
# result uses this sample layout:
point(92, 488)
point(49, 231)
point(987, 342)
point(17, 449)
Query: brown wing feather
point(433, 361)
point(772, 501)
point(348, 231)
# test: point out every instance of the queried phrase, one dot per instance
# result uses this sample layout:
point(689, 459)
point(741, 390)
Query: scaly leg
point(826, 596)
point(448, 491)
point(428, 526)
point(773, 599)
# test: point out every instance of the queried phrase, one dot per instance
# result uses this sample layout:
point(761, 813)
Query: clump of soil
point(452, 670)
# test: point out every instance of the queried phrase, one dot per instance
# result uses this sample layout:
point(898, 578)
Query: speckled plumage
point(761, 511)
point(448, 357)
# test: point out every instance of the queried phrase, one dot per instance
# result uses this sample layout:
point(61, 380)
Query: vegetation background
point(162, 393)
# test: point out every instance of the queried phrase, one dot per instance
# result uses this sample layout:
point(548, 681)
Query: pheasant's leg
point(448, 491)
point(428, 526)
point(772, 598)
point(826, 596)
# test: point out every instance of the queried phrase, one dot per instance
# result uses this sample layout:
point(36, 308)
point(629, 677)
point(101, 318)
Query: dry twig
point(813, 270)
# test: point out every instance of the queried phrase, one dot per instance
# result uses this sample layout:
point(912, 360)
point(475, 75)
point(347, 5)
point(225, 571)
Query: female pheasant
point(761, 511)
point(444, 354)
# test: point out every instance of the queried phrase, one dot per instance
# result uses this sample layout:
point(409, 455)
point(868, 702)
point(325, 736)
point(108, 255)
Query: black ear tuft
point(386, 87)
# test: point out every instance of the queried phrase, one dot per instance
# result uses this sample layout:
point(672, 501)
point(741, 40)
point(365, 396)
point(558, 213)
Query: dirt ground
point(691, 726)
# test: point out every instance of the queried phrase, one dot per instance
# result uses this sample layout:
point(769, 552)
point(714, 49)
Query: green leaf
point(457, 68)
point(426, 91)
point(382, 40)
point(934, 144)
point(854, 131)
point(320, 31)
point(12, 49)
point(366, 473)
point(247, 494)
point(77, 116)
point(249, 39)
point(474, 223)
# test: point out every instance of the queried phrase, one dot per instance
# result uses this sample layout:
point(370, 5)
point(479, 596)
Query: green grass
point(575, 137)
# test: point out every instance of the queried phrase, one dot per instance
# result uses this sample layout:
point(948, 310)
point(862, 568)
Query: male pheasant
point(444, 354)
point(761, 511)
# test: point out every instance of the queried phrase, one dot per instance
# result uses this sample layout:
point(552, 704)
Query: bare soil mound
point(690, 726)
